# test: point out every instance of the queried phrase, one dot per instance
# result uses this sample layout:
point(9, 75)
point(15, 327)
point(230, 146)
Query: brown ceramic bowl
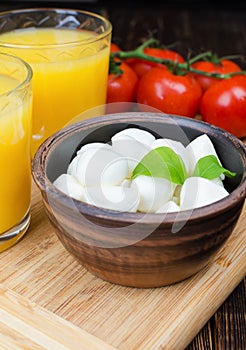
point(137, 249)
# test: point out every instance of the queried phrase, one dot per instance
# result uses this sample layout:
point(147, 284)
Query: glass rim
point(26, 80)
point(92, 39)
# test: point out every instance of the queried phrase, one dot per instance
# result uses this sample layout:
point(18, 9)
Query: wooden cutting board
point(49, 301)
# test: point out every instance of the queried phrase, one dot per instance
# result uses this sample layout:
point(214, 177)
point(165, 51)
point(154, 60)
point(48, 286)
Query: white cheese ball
point(134, 144)
point(153, 192)
point(200, 147)
point(139, 135)
point(72, 167)
point(217, 181)
point(197, 192)
point(120, 198)
point(99, 167)
point(67, 184)
point(95, 146)
point(169, 207)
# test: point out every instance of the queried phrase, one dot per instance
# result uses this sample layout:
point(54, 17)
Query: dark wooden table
point(193, 26)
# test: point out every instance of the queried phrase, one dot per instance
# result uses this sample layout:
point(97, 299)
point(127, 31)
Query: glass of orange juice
point(15, 155)
point(68, 51)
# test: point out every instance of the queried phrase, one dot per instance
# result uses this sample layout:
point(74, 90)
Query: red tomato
point(114, 47)
point(224, 105)
point(142, 66)
point(169, 93)
point(122, 88)
point(224, 67)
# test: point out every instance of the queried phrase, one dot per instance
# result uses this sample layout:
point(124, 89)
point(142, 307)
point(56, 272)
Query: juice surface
point(68, 79)
point(15, 175)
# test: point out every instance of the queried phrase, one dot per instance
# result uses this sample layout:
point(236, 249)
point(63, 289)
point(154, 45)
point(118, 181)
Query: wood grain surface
point(42, 286)
point(24, 325)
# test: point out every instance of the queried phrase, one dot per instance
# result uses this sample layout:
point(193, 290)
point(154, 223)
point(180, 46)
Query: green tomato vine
point(175, 67)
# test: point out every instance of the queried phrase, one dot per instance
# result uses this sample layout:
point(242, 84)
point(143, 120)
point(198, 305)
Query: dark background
point(189, 26)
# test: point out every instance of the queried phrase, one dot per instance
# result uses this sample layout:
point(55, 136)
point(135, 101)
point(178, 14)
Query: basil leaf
point(210, 168)
point(162, 162)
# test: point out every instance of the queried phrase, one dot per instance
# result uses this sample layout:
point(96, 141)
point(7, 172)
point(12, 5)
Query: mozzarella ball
point(133, 144)
point(126, 183)
point(153, 192)
point(95, 146)
point(70, 186)
point(169, 207)
point(72, 167)
point(92, 148)
point(217, 181)
point(119, 198)
point(197, 192)
point(198, 148)
point(139, 135)
point(99, 167)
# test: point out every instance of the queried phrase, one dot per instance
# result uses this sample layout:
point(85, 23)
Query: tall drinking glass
point(68, 51)
point(15, 156)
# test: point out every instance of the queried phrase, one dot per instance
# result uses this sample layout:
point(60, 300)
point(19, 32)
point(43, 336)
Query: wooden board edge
point(39, 326)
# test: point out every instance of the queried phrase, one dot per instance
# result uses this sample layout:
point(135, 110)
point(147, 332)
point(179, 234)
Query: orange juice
point(70, 70)
point(15, 136)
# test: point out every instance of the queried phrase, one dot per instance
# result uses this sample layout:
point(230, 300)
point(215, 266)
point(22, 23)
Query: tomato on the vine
point(114, 47)
point(224, 105)
point(142, 66)
point(169, 93)
point(224, 66)
point(122, 87)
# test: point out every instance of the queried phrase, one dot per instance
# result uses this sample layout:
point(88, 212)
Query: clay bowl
point(138, 249)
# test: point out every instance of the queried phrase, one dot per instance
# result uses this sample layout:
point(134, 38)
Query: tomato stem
point(114, 66)
point(201, 56)
point(148, 43)
point(216, 75)
point(139, 53)
point(174, 67)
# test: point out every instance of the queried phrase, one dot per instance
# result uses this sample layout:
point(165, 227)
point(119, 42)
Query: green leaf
point(210, 168)
point(162, 162)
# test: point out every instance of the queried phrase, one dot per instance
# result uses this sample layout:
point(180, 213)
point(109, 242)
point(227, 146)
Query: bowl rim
point(236, 197)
